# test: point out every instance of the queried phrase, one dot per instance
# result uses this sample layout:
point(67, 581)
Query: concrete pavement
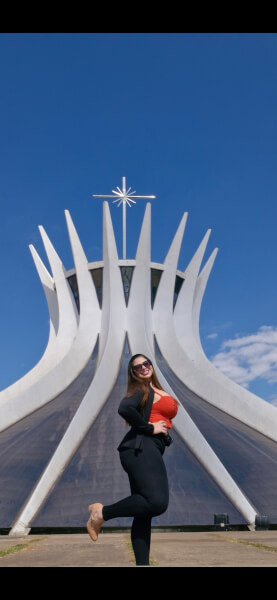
point(168, 549)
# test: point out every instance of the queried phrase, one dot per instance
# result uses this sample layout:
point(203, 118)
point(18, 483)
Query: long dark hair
point(135, 383)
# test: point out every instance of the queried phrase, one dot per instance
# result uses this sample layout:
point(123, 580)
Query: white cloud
point(244, 359)
point(212, 336)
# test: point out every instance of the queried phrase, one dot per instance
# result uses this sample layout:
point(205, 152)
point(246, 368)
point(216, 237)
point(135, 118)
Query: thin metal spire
point(123, 196)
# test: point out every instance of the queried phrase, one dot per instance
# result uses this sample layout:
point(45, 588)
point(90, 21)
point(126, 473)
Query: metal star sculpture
point(123, 197)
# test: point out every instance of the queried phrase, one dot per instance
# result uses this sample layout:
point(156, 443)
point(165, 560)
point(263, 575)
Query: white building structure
point(59, 427)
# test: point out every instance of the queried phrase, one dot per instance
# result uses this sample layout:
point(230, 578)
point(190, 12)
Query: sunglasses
point(139, 367)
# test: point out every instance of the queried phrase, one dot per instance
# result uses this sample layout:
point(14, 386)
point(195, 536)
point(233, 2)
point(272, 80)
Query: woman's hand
point(159, 427)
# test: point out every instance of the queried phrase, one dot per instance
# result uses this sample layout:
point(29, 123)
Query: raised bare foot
point(95, 521)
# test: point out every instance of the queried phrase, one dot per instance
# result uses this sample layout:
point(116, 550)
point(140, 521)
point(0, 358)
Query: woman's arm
point(129, 410)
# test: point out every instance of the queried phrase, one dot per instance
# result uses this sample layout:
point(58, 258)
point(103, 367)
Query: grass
point(19, 547)
point(152, 561)
point(247, 543)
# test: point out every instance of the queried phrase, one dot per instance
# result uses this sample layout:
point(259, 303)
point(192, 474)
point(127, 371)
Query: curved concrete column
point(185, 306)
point(163, 326)
point(81, 347)
point(90, 313)
point(113, 339)
point(165, 292)
point(177, 334)
point(199, 290)
point(51, 297)
point(139, 317)
point(191, 435)
point(63, 320)
point(48, 284)
point(113, 297)
point(195, 370)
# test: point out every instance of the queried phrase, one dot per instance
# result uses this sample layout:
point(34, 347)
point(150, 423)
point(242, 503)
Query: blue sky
point(190, 118)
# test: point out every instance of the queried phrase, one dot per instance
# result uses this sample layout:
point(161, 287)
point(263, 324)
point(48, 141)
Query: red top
point(164, 409)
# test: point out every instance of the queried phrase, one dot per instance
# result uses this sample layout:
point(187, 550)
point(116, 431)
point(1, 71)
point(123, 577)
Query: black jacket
point(130, 411)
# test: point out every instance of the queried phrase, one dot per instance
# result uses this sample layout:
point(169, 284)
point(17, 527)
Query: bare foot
point(95, 521)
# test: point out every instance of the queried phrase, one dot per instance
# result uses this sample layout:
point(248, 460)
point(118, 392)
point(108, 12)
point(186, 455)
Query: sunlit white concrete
point(177, 334)
point(78, 333)
point(63, 320)
point(112, 337)
point(179, 340)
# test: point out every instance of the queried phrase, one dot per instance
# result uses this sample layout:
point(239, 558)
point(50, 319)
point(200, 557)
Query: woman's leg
point(141, 538)
point(149, 495)
point(148, 481)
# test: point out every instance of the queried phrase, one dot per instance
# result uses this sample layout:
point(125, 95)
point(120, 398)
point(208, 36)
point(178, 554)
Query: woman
point(148, 409)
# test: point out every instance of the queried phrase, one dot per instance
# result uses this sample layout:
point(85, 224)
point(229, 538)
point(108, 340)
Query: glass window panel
point(126, 274)
point(72, 280)
point(178, 284)
point(97, 277)
point(155, 280)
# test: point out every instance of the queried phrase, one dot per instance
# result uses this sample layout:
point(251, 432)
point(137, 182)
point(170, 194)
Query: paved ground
point(168, 549)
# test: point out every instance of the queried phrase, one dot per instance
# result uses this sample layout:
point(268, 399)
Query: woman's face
point(142, 367)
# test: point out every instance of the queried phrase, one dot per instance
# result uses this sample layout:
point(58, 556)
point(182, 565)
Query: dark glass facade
point(178, 284)
point(72, 280)
point(27, 446)
point(249, 456)
point(97, 277)
point(95, 475)
point(155, 280)
point(126, 275)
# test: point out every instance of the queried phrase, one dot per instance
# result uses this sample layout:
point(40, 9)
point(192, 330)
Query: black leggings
point(149, 493)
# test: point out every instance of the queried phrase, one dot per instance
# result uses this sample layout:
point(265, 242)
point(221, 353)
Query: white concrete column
point(78, 339)
point(63, 320)
point(163, 326)
point(188, 361)
point(139, 314)
point(114, 310)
